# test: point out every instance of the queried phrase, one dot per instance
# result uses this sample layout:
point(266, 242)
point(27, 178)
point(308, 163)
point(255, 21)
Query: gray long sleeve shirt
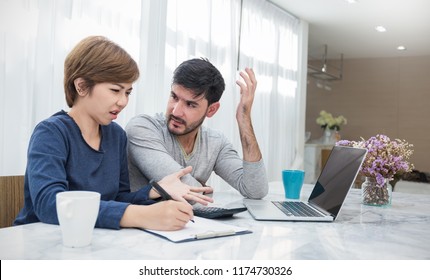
point(153, 152)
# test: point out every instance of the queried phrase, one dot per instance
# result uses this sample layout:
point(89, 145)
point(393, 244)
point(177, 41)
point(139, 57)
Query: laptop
point(328, 194)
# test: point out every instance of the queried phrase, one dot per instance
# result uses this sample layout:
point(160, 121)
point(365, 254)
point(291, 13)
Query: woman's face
point(106, 101)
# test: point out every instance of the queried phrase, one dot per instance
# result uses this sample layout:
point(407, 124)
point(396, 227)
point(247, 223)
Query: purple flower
point(385, 157)
point(343, 143)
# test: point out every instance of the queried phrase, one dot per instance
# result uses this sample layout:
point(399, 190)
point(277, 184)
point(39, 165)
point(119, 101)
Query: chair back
point(11, 198)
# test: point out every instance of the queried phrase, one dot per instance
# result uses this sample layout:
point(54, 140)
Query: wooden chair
point(325, 153)
point(11, 198)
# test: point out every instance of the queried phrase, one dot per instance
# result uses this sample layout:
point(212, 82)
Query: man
point(161, 145)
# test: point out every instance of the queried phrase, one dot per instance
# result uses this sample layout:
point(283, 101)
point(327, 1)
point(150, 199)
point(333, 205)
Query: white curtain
point(37, 35)
point(270, 44)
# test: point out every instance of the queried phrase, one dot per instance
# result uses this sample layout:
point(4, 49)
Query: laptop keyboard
point(296, 208)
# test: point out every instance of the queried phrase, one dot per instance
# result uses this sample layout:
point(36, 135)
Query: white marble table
point(401, 231)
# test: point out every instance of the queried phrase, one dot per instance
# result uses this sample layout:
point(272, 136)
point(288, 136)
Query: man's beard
point(188, 128)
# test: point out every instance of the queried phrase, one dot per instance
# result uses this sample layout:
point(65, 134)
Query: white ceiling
point(350, 28)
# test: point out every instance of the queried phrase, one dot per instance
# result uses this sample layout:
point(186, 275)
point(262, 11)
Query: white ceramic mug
point(77, 214)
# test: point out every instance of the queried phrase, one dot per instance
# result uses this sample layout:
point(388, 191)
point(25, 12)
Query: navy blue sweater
point(59, 159)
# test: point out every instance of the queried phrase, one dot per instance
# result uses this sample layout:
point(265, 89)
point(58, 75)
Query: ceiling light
point(321, 70)
point(401, 48)
point(351, 1)
point(324, 68)
point(380, 28)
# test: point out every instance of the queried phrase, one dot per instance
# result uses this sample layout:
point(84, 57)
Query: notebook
point(201, 229)
point(328, 194)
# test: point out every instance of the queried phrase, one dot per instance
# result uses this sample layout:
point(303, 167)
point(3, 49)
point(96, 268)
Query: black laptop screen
point(336, 178)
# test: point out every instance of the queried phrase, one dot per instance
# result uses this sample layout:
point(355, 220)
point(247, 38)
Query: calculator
point(217, 212)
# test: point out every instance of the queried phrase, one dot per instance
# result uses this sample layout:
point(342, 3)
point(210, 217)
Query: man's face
point(185, 112)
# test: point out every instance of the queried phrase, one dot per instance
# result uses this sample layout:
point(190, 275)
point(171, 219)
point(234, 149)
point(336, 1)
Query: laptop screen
point(336, 178)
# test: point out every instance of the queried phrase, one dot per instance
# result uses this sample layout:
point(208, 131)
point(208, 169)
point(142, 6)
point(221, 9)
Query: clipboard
point(199, 230)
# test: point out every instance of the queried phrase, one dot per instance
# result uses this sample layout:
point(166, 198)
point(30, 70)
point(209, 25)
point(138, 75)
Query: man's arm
point(250, 148)
point(148, 152)
point(248, 176)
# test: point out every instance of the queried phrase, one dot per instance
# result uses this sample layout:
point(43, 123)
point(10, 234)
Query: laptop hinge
point(320, 209)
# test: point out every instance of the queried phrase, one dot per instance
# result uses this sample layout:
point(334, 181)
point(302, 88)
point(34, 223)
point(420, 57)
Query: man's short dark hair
point(200, 76)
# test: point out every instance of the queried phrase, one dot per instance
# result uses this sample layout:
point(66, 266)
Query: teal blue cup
point(293, 182)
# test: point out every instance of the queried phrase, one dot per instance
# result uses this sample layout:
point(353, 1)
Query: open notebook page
point(201, 229)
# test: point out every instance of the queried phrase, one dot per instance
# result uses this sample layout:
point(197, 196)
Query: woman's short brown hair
point(96, 59)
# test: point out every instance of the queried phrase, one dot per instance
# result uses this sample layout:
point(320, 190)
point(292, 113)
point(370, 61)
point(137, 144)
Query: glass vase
point(329, 136)
point(374, 194)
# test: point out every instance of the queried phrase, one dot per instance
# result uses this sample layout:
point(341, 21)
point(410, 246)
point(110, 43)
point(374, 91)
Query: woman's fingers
point(187, 212)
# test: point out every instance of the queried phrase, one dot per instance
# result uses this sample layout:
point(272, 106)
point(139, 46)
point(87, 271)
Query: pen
point(211, 234)
point(164, 195)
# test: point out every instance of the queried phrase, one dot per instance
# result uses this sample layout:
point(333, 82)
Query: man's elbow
point(257, 194)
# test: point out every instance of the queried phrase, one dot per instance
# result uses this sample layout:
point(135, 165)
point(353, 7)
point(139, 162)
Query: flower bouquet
point(385, 160)
point(326, 120)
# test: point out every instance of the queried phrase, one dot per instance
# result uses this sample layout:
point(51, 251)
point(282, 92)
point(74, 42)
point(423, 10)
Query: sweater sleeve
point(249, 178)
point(46, 172)
point(148, 152)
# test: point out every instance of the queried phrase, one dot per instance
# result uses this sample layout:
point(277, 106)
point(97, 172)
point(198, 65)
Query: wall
point(384, 95)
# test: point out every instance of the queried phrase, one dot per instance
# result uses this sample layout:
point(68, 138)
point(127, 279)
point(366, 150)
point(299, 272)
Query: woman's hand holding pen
point(182, 192)
point(171, 214)
point(165, 215)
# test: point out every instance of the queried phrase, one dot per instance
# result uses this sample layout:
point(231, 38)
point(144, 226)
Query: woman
point(84, 150)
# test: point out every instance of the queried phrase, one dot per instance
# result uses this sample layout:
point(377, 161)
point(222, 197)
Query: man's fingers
point(251, 75)
point(205, 189)
point(181, 199)
point(184, 171)
point(249, 79)
point(208, 190)
point(241, 85)
point(249, 82)
point(194, 196)
point(196, 199)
